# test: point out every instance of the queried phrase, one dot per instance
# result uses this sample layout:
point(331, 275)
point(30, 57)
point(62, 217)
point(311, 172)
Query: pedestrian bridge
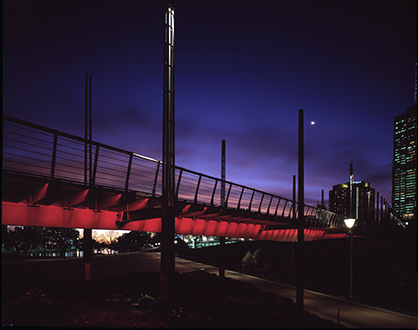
point(55, 179)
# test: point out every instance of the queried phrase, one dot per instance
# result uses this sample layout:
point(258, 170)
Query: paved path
point(351, 314)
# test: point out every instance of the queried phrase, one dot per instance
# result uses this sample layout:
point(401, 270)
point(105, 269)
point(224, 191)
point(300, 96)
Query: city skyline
point(242, 73)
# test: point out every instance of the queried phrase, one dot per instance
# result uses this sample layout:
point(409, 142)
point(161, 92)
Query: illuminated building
point(363, 200)
point(404, 165)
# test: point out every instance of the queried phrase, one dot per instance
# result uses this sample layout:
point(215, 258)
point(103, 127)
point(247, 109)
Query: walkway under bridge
point(54, 179)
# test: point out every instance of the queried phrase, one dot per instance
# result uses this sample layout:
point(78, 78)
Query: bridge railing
point(33, 149)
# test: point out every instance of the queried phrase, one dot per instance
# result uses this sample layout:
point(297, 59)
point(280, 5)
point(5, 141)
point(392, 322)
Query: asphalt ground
point(67, 272)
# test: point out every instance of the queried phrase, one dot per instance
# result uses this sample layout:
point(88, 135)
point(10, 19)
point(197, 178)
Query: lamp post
point(350, 224)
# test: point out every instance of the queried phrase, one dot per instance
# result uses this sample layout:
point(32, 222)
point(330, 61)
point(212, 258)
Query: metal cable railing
point(37, 150)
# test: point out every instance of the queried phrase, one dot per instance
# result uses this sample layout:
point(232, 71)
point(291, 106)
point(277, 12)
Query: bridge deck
point(48, 180)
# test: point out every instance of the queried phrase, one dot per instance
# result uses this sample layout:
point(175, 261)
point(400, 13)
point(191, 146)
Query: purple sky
point(243, 70)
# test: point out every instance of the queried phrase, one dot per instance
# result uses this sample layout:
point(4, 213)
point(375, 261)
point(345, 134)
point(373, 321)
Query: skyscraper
point(404, 165)
point(362, 204)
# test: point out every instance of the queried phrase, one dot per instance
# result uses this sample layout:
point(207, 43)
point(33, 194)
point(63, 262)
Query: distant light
point(312, 123)
point(349, 223)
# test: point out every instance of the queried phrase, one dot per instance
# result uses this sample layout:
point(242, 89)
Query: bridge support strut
point(87, 253)
point(87, 233)
point(301, 217)
point(223, 205)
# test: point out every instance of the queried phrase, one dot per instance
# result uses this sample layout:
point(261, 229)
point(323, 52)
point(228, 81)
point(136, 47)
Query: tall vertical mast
point(301, 216)
point(168, 106)
point(87, 133)
point(87, 232)
point(168, 196)
point(223, 174)
point(294, 197)
point(223, 206)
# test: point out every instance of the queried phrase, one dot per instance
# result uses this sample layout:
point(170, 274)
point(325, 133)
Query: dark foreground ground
point(131, 300)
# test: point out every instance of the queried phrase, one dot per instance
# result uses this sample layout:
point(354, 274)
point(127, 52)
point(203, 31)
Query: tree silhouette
point(132, 241)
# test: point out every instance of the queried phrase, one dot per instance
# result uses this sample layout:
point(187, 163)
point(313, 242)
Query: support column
point(301, 217)
point(168, 197)
point(381, 210)
point(87, 252)
point(88, 132)
point(223, 205)
point(294, 197)
point(87, 233)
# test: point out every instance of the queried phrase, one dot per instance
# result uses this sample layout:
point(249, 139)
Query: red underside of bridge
point(55, 216)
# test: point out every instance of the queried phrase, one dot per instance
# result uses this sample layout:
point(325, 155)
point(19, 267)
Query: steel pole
point(87, 252)
point(222, 239)
point(301, 217)
point(381, 210)
point(87, 232)
point(168, 197)
point(351, 264)
point(294, 197)
point(86, 110)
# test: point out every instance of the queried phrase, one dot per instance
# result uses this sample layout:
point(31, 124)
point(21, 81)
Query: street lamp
point(350, 224)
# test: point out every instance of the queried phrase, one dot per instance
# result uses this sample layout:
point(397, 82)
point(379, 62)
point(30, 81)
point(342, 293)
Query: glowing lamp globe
point(349, 223)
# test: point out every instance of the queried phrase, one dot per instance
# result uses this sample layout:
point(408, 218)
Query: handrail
point(123, 169)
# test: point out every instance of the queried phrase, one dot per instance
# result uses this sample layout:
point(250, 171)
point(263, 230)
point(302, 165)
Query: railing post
point(277, 207)
point(239, 201)
point(54, 156)
point(197, 189)
point(251, 201)
point(227, 196)
point(178, 183)
point(261, 202)
point(213, 193)
point(96, 157)
point(284, 208)
point(155, 179)
point(268, 209)
point(128, 172)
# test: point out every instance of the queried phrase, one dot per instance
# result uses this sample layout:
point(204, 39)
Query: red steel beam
point(54, 216)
